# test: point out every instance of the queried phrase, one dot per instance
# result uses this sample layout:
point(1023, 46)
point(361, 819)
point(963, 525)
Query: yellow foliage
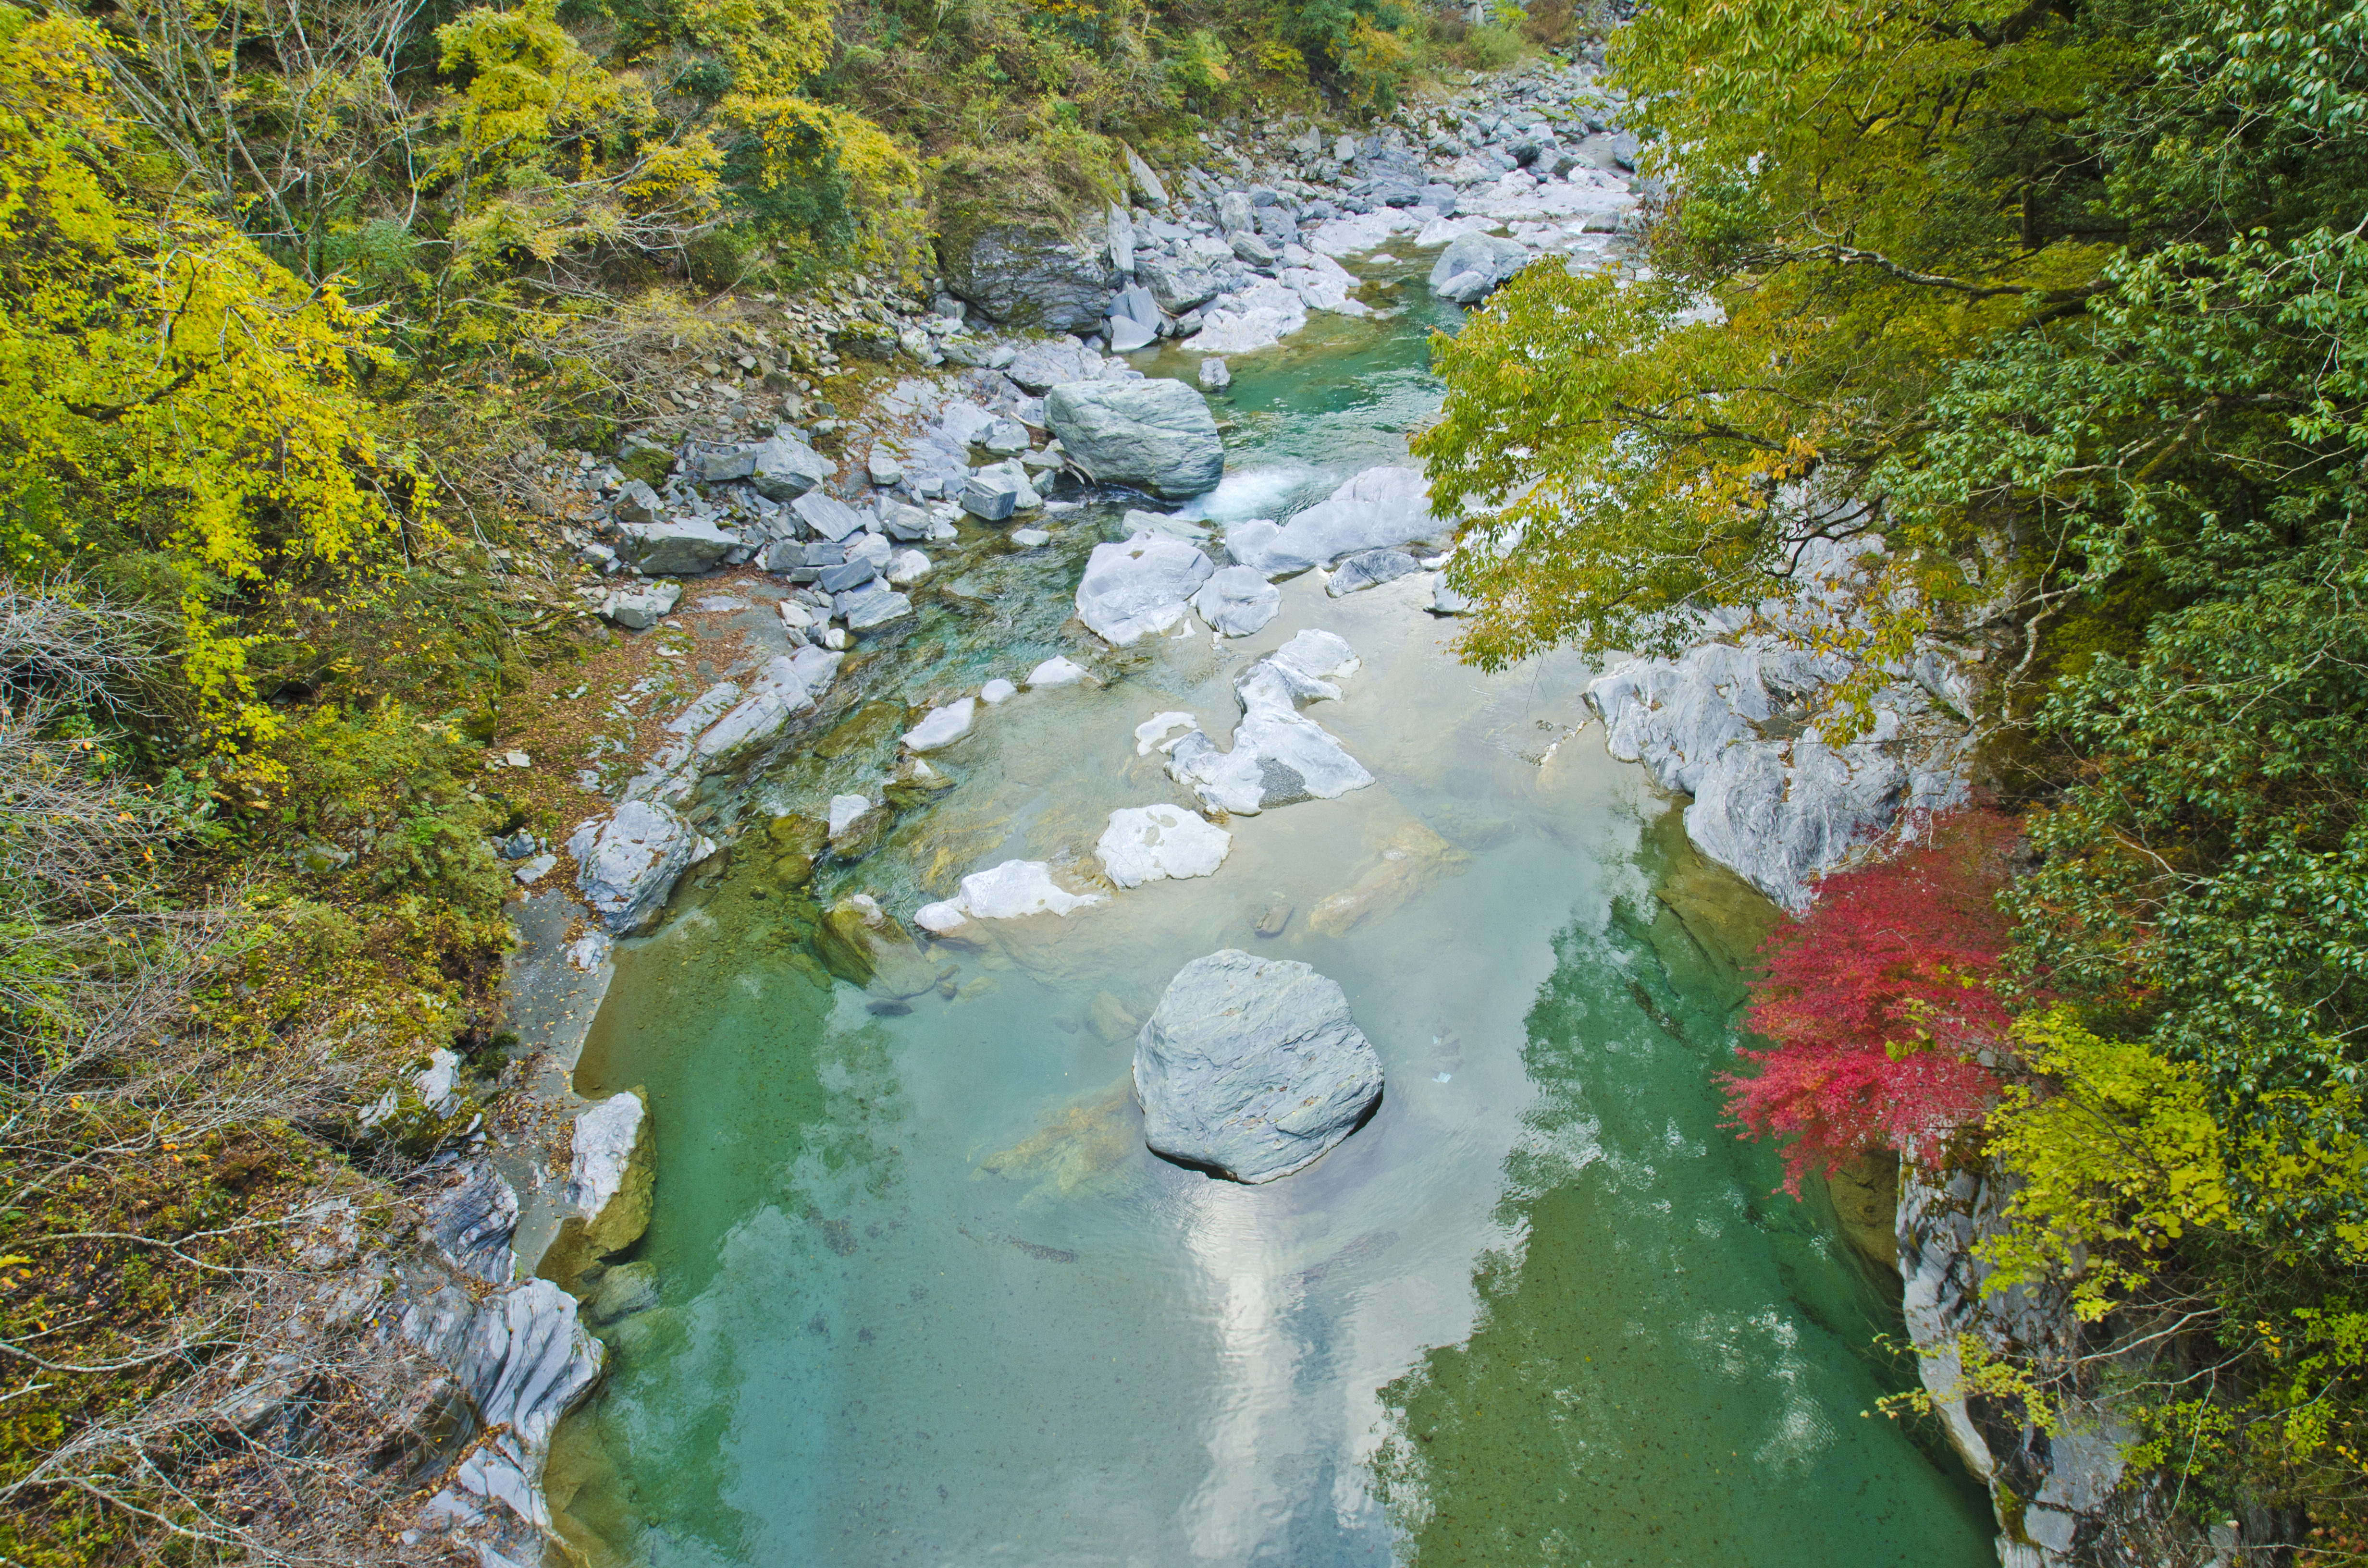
point(162, 381)
point(771, 45)
point(802, 137)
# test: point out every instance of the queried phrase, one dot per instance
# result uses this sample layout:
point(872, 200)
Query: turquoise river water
point(928, 1299)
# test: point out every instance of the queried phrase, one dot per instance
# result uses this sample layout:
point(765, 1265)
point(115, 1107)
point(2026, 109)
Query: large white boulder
point(627, 863)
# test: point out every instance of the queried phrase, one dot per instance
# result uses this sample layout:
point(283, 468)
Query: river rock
point(943, 727)
point(628, 862)
point(613, 1165)
point(992, 495)
point(1237, 601)
point(1252, 1068)
point(1377, 508)
point(858, 942)
point(997, 691)
point(1040, 367)
point(783, 468)
point(1133, 590)
point(1177, 284)
point(1056, 670)
point(1470, 267)
point(1371, 569)
point(1258, 317)
point(1012, 890)
point(1216, 376)
point(674, 549)
point(1143, 844)
point(873, 605)
point(1151, 435)
point(1279, 756)
point(638, 609)
point(778, 692)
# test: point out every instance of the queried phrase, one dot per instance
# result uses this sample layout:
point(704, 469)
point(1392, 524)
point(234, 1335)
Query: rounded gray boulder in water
point(1252, 1068)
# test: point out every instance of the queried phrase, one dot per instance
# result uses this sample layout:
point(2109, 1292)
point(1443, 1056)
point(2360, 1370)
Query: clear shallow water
point(928, 1299)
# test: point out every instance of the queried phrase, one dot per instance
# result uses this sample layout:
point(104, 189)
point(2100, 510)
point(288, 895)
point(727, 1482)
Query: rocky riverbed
point(793, 522)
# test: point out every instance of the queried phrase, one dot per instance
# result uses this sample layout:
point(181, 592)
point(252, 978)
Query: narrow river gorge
point(926, 1298)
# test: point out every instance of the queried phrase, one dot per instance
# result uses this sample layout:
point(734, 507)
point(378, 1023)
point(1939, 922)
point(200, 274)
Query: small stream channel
point(928, 1299)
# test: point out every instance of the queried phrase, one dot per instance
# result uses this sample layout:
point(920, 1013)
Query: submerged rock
point(1371, 569)
point(1152, 435)
point(1252, 1068)
point(1132, 590)
point(1143, 844)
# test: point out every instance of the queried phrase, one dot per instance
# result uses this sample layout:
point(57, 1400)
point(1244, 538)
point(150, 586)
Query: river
point(926, 1299)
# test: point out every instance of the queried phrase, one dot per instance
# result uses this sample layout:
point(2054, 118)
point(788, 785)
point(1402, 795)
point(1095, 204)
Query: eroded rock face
point(627, 863)
point(1376, 509)
point(1151, 435)
point(1252, 1068)
point(1139, 587)
point(1024, 276)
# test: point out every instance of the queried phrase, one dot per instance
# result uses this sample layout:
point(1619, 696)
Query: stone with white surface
point(1137, 588)
point(627, 863)
point(1473, 265)
point(1252, 1068)
point(907, 567)
point(996, 692)
point(942, 726)
point(1237, 601)
point(1013, 890)
point(1258, 317)
point(1279, 756)
point(1377, 508)
point(1057, 671)
point(1144, 844)
point(612, 1167)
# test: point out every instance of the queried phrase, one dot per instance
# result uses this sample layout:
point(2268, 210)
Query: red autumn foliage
point(1879, 999)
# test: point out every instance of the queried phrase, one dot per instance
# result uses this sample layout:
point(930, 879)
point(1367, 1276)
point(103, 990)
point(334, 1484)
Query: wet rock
point(612, 1165)
point(1271, 920)
point(997, 690)
point(1151, 435)
point(1056, 670)
point(1377, 508)
point(1369, 569)
point(1140, 588)
point(1143, 844)
point(1237, 601)
point(1252, 1068)
point(628, 862)
point(627, 1288)
point(859, 943)
point(871, 607)
point(1012, 890)
point(674, 549)
point(1278, 757)
point(1214, 375)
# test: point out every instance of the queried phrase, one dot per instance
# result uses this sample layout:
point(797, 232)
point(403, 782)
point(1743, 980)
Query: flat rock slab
point(1237, 601)
point(1252, 1068)
point(1143, 844)
point(1012, 890)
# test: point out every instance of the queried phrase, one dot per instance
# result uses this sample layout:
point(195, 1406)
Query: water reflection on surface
point(928, 1299)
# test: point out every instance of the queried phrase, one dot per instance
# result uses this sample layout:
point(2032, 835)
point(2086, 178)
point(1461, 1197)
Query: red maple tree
point(1880, 1004)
